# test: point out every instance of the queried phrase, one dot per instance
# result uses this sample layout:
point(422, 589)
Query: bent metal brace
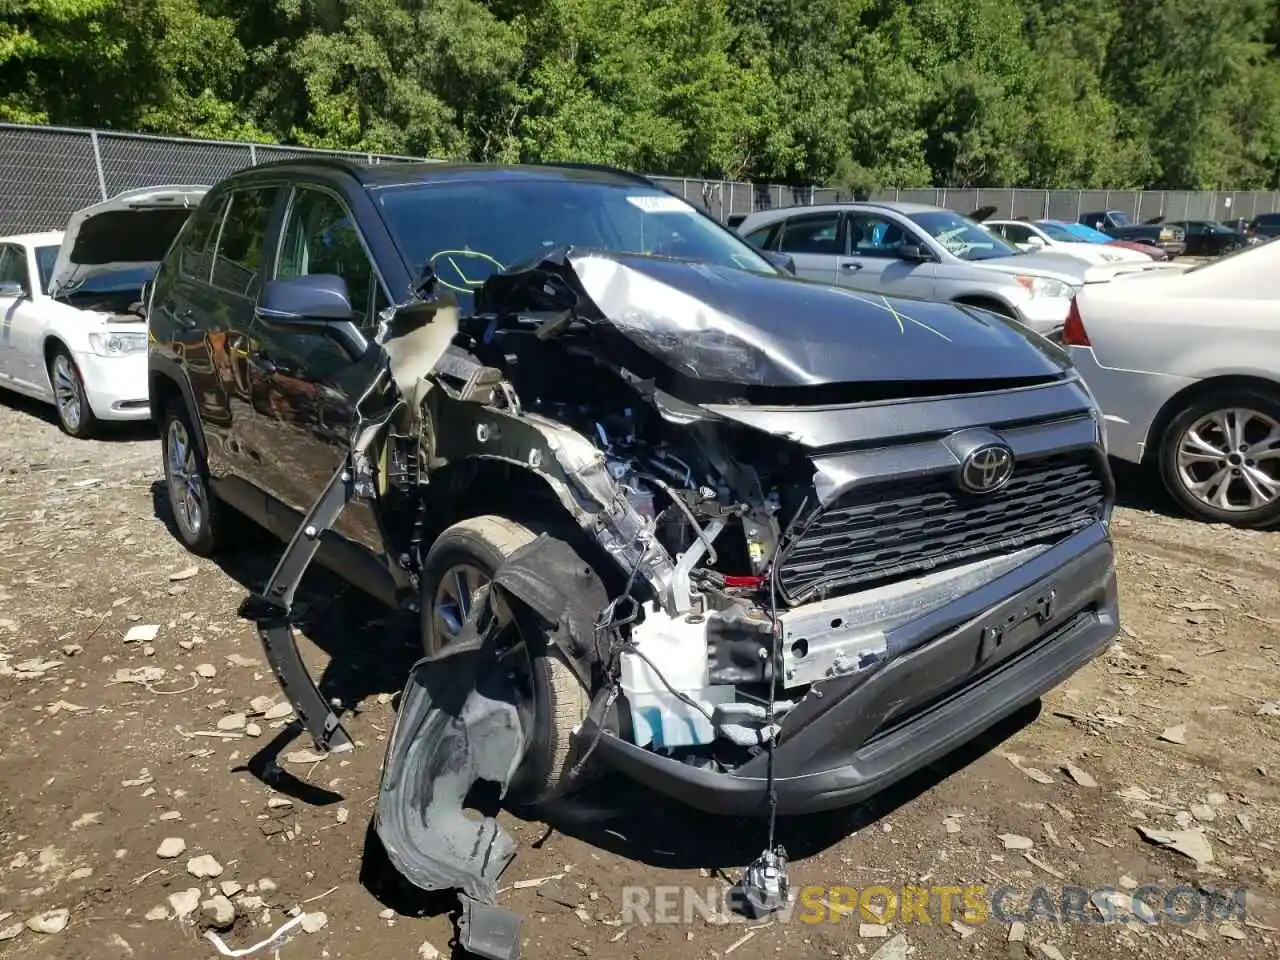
point(273, 608)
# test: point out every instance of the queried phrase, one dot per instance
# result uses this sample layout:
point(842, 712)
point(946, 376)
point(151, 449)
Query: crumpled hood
point(130, 230)
point(732, 326)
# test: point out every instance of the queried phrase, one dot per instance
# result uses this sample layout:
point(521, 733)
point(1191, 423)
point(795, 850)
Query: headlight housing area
point(117, 344)
point(1044, 286)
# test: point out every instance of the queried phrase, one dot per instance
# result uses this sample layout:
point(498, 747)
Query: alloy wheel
point(463, 602)
point(67, 392)
point(1229, 460)
point(187, 494)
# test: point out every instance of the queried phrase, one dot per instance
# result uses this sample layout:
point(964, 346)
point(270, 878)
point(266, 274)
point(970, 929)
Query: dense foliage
point(863, 93)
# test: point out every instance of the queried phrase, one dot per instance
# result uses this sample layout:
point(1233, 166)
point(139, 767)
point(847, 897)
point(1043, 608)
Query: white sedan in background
point(1048, 235)
point(71, 329)
point(1186, 368)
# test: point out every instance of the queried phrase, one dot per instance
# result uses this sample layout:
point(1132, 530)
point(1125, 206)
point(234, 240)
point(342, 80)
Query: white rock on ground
point(185, 902)
point(428, 952)
point(229, 888)
point(51, 921)
point(895, 949)
point(314, 922)
point(171, 847)
point(10, 932)
point(157, 913)
point(266, 886)
point(232, 722)
point(204, 866)
point(219, 911)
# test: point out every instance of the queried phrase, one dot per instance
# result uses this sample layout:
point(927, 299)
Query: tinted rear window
point(194, 247)
point(238, 261)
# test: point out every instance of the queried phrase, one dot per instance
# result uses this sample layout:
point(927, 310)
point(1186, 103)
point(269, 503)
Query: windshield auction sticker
point(658, 204)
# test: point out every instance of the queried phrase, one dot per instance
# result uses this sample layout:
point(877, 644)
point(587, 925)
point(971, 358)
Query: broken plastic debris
point(1190, 843)
point(272, 940)
point(142, 633)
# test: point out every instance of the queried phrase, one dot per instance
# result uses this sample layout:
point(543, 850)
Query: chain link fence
point(725, 200)
point(47, 173)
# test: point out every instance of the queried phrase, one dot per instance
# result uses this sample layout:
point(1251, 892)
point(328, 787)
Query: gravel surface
point(152, 788)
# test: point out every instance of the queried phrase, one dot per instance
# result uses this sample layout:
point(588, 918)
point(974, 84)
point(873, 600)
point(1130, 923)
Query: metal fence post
point(253, 155)
point(97, 162)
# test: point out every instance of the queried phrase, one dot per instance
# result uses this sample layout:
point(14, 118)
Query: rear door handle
point(851, 265)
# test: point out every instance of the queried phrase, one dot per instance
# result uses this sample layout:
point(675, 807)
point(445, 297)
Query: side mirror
point(313, 304)
point(782, 261)
point(1035, 242)
point(12, 290)
point(914, 253)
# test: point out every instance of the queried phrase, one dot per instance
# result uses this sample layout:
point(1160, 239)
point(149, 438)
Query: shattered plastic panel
point(457, 726)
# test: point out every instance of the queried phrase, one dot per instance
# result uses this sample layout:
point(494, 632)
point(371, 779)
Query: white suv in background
point(912, 250)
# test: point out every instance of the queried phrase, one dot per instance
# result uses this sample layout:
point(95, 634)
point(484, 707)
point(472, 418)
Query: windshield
point(963, 237)
point(1087, 233)
point(115, 281)
point(467, 231)
point(1056, 231)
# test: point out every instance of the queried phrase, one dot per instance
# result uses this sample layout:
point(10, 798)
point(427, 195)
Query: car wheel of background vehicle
point(1220, 458)
point(455, 593)
point(74, 415)
point(197, 515)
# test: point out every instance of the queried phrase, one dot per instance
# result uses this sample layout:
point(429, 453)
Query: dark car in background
point(1205, 238)
point(1116, 223)
point(1265, 226)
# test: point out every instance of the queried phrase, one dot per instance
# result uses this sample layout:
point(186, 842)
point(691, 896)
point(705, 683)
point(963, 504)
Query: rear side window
point(237, 261)
point(198, 238)
point(812, 234)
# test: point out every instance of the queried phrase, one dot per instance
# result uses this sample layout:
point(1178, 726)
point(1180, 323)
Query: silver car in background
point(913, 250)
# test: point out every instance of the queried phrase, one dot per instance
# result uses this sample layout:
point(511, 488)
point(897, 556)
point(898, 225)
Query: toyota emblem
point(987, 469)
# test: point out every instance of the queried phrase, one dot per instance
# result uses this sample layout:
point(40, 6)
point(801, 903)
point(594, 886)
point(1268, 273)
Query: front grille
point(888, 531)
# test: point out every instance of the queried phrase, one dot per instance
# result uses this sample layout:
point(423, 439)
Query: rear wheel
point(74, 414)
point(456, 574)
point(1220, 458)
point(197, 514)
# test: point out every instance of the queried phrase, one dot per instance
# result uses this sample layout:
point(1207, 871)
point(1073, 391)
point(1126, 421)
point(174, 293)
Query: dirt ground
point(112, 745)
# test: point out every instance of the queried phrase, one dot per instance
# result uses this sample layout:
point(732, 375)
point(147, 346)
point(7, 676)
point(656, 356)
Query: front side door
point(27, 322)
point(13, 274)
point(814, 243)
point(874, 261)
point(305, 387)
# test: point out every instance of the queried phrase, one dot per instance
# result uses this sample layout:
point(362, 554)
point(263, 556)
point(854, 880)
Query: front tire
point(75, 417)
point(1220, 458)
point(455, 584)
point(197, 515)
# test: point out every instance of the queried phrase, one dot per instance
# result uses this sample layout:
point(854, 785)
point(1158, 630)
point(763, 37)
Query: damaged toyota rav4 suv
point(759, 543)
